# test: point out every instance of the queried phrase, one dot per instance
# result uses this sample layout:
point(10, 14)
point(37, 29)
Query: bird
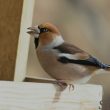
point(65, 62)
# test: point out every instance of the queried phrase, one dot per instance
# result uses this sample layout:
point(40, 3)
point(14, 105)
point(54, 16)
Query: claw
point(71, 86)
point(62, 84)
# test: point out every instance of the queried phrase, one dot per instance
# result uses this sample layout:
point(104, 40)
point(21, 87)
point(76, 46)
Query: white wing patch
point(69, 56)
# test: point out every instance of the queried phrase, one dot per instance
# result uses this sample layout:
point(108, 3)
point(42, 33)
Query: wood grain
point(39, 96)
point(10, 16)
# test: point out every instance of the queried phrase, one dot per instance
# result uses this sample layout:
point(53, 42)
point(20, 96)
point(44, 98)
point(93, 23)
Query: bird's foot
point(62, 84)
point(71, 87)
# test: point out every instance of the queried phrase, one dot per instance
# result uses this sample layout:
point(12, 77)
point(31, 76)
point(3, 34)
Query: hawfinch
point(63, 61)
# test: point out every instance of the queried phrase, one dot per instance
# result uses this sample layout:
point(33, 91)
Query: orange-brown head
point(46, 33)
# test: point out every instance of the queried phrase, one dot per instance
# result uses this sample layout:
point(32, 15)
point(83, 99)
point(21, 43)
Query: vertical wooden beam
point(24, 40)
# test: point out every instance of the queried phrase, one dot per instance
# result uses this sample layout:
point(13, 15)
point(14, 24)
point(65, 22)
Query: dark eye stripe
point(42, 30)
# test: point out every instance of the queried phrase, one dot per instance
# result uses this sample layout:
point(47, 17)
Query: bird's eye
point(42, 30)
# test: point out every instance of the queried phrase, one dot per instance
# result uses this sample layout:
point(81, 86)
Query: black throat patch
point(36, 41)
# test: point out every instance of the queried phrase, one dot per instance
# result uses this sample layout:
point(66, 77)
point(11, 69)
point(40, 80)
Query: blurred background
point(85, 23)
point(82, 22)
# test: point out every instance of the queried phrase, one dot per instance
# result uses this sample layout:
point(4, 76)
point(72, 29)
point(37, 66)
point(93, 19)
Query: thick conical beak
point(33, 30)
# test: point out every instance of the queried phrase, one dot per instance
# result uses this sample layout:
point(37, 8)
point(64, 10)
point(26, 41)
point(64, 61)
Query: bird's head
point(46, 34)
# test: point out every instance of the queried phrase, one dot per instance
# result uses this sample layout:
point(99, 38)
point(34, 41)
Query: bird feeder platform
point(46, 96)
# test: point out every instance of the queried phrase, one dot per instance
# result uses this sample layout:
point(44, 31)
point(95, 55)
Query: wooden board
point(24, 40)
point(10, 18)
point(42, 96)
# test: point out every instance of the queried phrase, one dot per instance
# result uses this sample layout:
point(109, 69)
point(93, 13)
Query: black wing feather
point(92, 61)
point(71, 49)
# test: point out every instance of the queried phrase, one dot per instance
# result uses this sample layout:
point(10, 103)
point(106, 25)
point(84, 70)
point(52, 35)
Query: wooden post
point(44, 96)
point(24, 40)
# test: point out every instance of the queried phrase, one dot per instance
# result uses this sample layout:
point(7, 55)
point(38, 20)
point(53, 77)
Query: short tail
point(106, 67)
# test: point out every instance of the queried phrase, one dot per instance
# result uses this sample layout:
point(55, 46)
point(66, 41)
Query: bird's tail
point(107, 68)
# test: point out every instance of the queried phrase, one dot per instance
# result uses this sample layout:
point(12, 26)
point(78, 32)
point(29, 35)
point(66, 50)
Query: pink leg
point(71, 86)
point(62, 84)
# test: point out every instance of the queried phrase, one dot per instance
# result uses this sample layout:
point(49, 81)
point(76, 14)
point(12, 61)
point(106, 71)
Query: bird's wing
point(71, 54)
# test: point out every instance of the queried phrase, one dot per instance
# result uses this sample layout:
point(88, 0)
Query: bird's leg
point(71, 86)
point(62, 84)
